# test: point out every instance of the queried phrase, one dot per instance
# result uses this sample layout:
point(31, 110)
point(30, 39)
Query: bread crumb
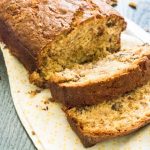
point(133, 5)
point(45, 109)
point(116, 106)
point(33, 93)
point(33, 133)
point(46, 101)
point(51, 99)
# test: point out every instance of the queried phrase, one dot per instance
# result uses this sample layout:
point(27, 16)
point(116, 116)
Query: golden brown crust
point(90, 140)
point(16, 47)
point(98, 91)
point(32, 24)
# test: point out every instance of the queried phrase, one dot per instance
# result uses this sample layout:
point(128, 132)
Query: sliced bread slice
point(111, 119)
point(105, 79)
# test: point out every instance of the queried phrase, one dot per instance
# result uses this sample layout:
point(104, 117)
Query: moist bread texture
point(111, 119)
point(48, 36)
point(102, 80)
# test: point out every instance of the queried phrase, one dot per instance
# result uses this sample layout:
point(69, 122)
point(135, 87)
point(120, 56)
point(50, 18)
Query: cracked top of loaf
point(35, 23)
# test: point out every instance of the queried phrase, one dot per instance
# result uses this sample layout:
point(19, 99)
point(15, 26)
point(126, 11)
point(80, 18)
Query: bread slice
point(111, 119)
point(48, 36)
point(105, 79)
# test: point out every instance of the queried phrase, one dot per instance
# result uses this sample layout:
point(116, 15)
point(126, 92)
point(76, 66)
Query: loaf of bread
point(105, 79)
point(69, 46)
point(111, 119)
point(48, 36)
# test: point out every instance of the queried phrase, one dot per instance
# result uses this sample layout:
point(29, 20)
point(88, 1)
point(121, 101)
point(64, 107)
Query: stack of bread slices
point(73, 48)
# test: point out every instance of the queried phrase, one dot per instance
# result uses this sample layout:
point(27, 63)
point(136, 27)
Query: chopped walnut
point(33, 93)
point(133, 5)
point(46, 101)
point(116, 106)
point(33, 133)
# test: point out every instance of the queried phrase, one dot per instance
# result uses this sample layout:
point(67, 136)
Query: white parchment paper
point(46, 124)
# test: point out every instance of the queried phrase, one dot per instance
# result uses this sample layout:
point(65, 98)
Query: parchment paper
point(46, 123)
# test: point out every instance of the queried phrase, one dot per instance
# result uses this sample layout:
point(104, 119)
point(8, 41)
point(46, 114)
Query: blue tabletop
point(12, 134)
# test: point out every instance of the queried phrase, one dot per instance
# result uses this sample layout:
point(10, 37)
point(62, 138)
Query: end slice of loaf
point(111, 119)
point(104, 79)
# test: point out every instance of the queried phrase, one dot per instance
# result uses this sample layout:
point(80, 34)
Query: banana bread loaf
point(48, 36)
point(111, 119)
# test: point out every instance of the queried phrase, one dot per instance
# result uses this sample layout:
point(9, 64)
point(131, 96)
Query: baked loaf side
point(48, 36)
point(111, 119)
point(105, 79)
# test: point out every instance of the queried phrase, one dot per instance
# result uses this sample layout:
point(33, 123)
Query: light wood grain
point(12, 133)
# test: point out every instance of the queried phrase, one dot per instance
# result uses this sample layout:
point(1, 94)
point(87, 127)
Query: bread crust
point(17, 48)
point(98, 91)
point(89, 140)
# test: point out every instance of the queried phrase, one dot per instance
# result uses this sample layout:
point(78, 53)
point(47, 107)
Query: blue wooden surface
point(12, 133)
